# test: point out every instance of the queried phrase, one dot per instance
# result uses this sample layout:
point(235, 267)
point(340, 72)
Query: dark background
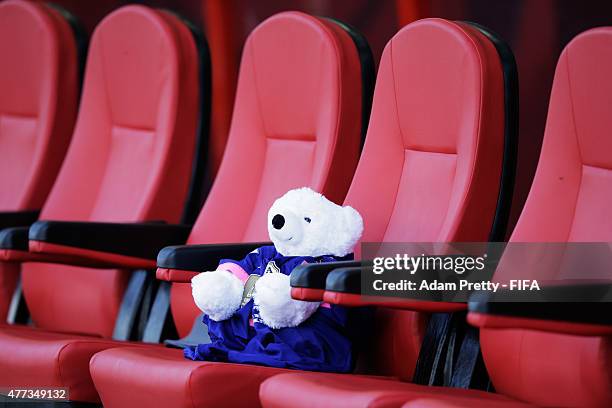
point(537, 31)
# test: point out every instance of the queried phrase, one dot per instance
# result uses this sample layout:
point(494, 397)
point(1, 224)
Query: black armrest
point(141, 240)
point(10, 219)
point(345, 280)
point(204, 257)
point(313, 276)
point(565, 303)
point(15, 238)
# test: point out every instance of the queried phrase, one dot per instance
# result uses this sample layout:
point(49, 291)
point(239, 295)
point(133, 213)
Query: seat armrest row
point(314, 275)
point(345, 279)
point(139, 240)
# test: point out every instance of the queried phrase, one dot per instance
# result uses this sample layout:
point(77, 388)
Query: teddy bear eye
point(307, 219)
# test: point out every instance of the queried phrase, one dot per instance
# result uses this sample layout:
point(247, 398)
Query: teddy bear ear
point(353, 225)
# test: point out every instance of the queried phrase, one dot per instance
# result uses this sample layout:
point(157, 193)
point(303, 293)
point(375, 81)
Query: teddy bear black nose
point(278, 221)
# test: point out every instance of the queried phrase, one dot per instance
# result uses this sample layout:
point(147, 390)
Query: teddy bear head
point(305, 223)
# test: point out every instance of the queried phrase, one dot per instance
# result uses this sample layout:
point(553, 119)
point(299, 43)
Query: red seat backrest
point(432, 160)
point(569, 201)
point(130, 158)
point(38, 103)
point(296, 123)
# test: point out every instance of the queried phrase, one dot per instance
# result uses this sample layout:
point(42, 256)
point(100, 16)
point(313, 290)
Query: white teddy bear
point(304, 227)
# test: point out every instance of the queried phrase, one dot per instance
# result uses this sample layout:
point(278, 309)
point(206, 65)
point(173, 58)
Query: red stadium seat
point(130, 160)
point(39, 88)
point(437, 138)
point(297, 122)
point(532, 361)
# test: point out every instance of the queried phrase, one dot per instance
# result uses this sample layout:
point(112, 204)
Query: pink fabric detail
point(235, 269)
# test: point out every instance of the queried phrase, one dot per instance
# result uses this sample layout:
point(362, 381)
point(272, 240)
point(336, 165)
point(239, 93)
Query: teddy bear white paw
point(218, 294)
point(276, 307)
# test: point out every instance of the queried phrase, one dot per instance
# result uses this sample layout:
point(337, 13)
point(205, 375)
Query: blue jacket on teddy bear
point(247, 304)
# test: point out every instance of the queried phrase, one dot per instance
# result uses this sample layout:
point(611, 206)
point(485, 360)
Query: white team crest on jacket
point(272, 268)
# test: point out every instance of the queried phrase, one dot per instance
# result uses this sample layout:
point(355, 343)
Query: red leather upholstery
point(433, 146)
point(323, 390)
point(294, 124)
point(38, 103)
point(436, 135)
point(31, 358)
point(303, 133)
point(437, 143)
point(130, 160)
point(569, 201)
point(162, 377)
point(117, 371)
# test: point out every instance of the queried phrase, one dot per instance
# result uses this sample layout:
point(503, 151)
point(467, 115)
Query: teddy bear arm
point(276, 307)
point(217, 293)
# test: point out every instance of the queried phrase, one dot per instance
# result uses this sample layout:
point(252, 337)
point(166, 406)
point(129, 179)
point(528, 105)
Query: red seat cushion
point(162, 377)
point(33, 358)
point(337, 390)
